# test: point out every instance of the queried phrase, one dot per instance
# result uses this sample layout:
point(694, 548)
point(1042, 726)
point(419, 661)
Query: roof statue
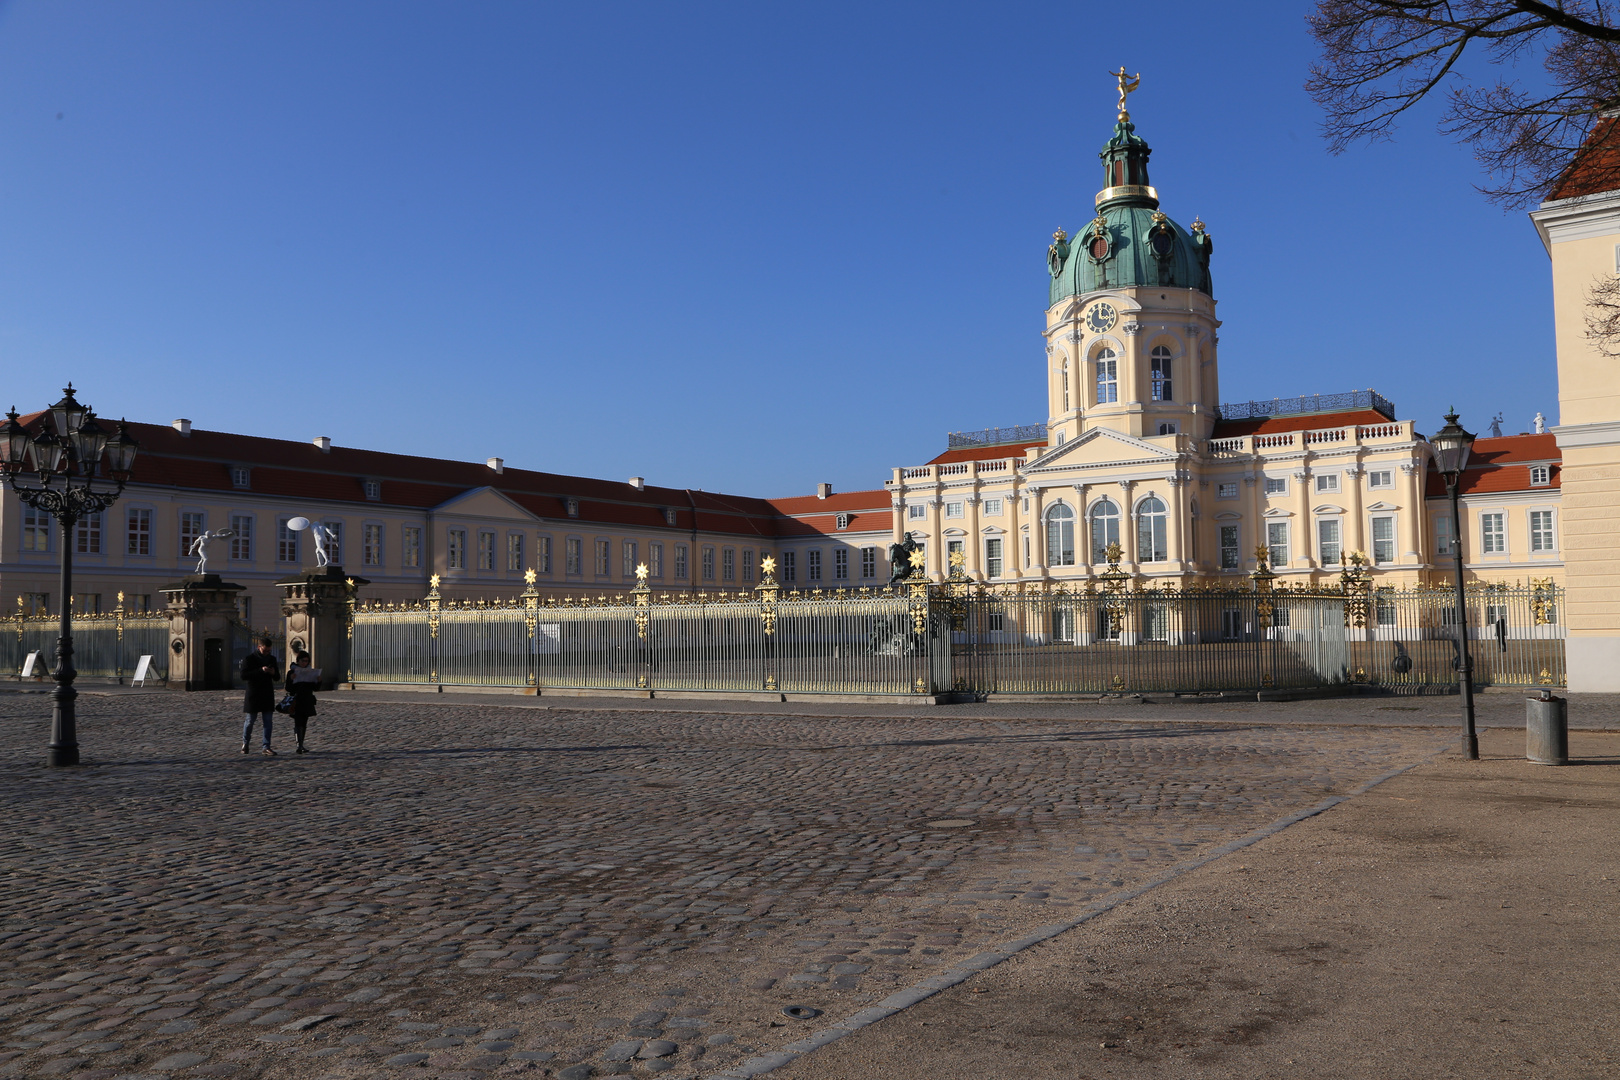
point(1541, 424)
point(1127, 83)
point(199, 546)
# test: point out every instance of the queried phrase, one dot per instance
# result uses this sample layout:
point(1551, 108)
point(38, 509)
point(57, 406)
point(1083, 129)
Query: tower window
point(1151, 528)
point(1104, 529)
point(1159, 368)
point(1060, 536)
point(1107, 377)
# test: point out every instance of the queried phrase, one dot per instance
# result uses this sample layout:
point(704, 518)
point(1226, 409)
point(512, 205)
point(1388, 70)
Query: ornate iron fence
point(105, 644)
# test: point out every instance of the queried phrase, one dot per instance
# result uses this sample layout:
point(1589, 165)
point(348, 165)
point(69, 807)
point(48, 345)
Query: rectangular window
point(604, 556)
point(244, 608)
point(748, 564)
point(841, 564)
point(1277, 542)
point(632, 558)
point(88, 603)
point(455, 551)
point(992, 508)
point(573, 556)
point(373, 489)
point(191, 526)
point(953, 509)
point(88, 535)
point(1107, 381)
point(1443, 542)
point(286, 542)
point(1226, 491)
point(1326, 483)
point(1168, 427)
point(239, 476)
point(371, 544)
point(952, 549)
point(868, 562)
point(542, 553)
point(1383, 540)
point(1541, 530)
point(1276, 485)
point(36, 603)
point(992, 558)
point(1384, 606)
point(1159, 373)
point(655, 560)
point(680, 562)
point(514, 553)
point(486, 550)
point(916, 512)
point(334, 542)
point(1231, 552)
point(1327, 540)
point(138, 533)
point(728, 564)
point(1381, 478)
point(1540, 475)
point(410, 546)
point(36, 530)
point(708, 563)
point(1492, 536)
point(790, 569)
point(242, 537)
point(812, 565)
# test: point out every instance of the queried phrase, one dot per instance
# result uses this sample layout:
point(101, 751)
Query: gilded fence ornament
point(1354, 581)
point(1540, 600)
point(1114, 580)
point(769, 592)
point(1264, 579)
point(919, 593)
point(642, 596)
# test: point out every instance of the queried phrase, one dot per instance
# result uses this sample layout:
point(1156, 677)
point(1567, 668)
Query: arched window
point(1104, 529)
point(1065, 386)
point(1060, 536)
point(1151, 526)
point(1107, 376)
point(1159, 368)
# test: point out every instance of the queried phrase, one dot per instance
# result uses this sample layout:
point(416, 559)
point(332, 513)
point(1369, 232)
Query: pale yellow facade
point(1582, 237)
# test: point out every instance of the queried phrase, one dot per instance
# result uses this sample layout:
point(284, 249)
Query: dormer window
point(573, 507)
point(1540, 475)
point(240, 476)
point(669, 515)
point(373, 489)
point(843, 521)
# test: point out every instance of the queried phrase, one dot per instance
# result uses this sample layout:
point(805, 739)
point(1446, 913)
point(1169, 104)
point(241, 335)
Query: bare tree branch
point(1603, 314)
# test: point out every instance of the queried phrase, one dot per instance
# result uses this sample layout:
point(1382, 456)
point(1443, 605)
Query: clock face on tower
point(1100, 319)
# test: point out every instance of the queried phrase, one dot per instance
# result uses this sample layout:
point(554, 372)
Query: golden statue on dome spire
point(1127, 83)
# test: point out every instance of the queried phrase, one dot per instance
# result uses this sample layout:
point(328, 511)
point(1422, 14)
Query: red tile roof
point(1270, 425)
point(1596, 165)
point(807, 515)
point(203, 460)
point(986, 453)
point(1502, 465)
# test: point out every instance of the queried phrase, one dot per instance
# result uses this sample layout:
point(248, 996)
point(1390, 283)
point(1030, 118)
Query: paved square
point(470, 890)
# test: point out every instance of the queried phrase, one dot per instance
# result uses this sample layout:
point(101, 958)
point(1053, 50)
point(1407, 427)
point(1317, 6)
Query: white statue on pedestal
point(199, 546)
point(323, 535)
point(1541, 424)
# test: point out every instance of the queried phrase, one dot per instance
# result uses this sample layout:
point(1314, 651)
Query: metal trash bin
point(1546, 729)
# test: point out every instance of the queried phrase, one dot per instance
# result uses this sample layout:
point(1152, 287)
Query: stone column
point(1177, 508)
point(1254, 519)
point(1012, 552)
point(1356, 534)
point(974, 547)
point(1412, 515)
point(897, 502)
point(315, 605)
point(1082, 532)
point(1127, 528)
point(202, 630)
point(1304, 553)
point(1037, 533)
point(936, 537)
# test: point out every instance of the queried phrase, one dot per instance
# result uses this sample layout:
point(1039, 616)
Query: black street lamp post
point(1452, 446)
point(71, 482)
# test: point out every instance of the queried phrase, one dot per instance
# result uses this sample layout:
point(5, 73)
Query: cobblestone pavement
point(465, 890)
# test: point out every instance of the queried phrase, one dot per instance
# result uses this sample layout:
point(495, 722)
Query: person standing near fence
point(260, 670)
point(302, 681)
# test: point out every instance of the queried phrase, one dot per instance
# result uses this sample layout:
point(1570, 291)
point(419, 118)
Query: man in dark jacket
point(260, 670)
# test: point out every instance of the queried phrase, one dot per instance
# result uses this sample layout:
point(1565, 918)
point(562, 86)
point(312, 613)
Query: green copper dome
point(1129, 243)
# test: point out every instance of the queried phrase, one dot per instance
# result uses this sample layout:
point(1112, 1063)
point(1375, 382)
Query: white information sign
point(143, 668)
point(28, 665)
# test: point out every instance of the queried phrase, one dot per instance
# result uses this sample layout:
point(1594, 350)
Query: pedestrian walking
point(302, 680)
point(260, 670)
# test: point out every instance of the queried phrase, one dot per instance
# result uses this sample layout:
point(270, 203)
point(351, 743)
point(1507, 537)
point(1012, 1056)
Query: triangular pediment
point(1100, 447)
point(1383, 506)
point(1276, 512)
point(484, 502)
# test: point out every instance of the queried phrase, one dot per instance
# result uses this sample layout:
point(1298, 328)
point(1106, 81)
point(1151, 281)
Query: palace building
point(1138, 449)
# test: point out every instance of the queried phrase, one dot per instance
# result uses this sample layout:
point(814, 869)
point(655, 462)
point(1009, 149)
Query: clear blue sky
point(744, 247)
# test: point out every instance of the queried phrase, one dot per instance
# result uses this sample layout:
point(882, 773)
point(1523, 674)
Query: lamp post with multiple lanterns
point(72, 468)
point(1452, 445)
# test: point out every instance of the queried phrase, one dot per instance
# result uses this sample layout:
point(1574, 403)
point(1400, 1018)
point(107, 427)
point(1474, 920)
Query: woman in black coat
point(301, 683)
